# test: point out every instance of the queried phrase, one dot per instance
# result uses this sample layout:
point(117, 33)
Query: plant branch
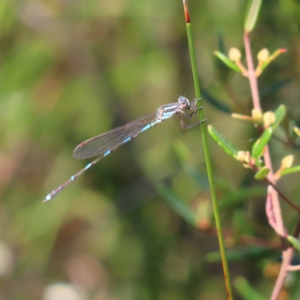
point(285, 198)
point(272, 193)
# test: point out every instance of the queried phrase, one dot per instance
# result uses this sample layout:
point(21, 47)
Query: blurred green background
point(71, 70)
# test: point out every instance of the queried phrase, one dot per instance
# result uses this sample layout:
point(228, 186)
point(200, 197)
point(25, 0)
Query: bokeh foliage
point(70, 70)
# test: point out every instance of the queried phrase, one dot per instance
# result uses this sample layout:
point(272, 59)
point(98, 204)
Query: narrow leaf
point(184, 155)
point(252, 14)
point(221, 69)
point(246, 290)
point(215, 102)
point(227, 61)
point(295, 242)
point(234, 197)
point(222, 142)
point(258, 147)
point(238, 254)
point(262, 173)
point(280, 113)
point(273, 57)
point(274, 87)
point(290, 170)
point(178, 205)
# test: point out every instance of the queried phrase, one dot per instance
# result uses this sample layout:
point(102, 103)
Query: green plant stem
point(203, 129)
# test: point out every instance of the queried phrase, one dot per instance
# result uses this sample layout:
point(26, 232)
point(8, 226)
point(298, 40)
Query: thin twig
point(285, 198)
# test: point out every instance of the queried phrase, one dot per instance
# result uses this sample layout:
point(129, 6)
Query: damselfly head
point(184, 102)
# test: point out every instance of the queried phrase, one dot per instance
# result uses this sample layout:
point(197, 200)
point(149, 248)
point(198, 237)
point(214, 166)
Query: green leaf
point(227, 61)
point(221, 69)
point(234, 197)
point(239, 254)
point(290, 170)
point(272, 57)
point(222, 141)
point(266, 91)
point(280, 113)
point(252, 14)
point(178, 205)
point(184, 155)
point(258, 147)
point(246, 290)
point(215, 102)
point(295, 242)
point(262, 173)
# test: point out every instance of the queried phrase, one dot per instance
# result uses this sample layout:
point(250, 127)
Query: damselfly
point(104, 144)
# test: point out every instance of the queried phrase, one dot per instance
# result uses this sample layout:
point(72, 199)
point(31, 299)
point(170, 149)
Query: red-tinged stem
point(286, 199)
point(186, 11)
point(294, 268)
point(274, 197)
point(267, 157)
point(287, 251)
point(251, 72)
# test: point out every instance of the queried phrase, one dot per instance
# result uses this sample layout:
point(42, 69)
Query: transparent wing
point(111, 140)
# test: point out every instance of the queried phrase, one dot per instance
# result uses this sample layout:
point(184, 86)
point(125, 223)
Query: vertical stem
point(251, 73)
point(279, 227)
point(267, 156)
point(207, 154)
